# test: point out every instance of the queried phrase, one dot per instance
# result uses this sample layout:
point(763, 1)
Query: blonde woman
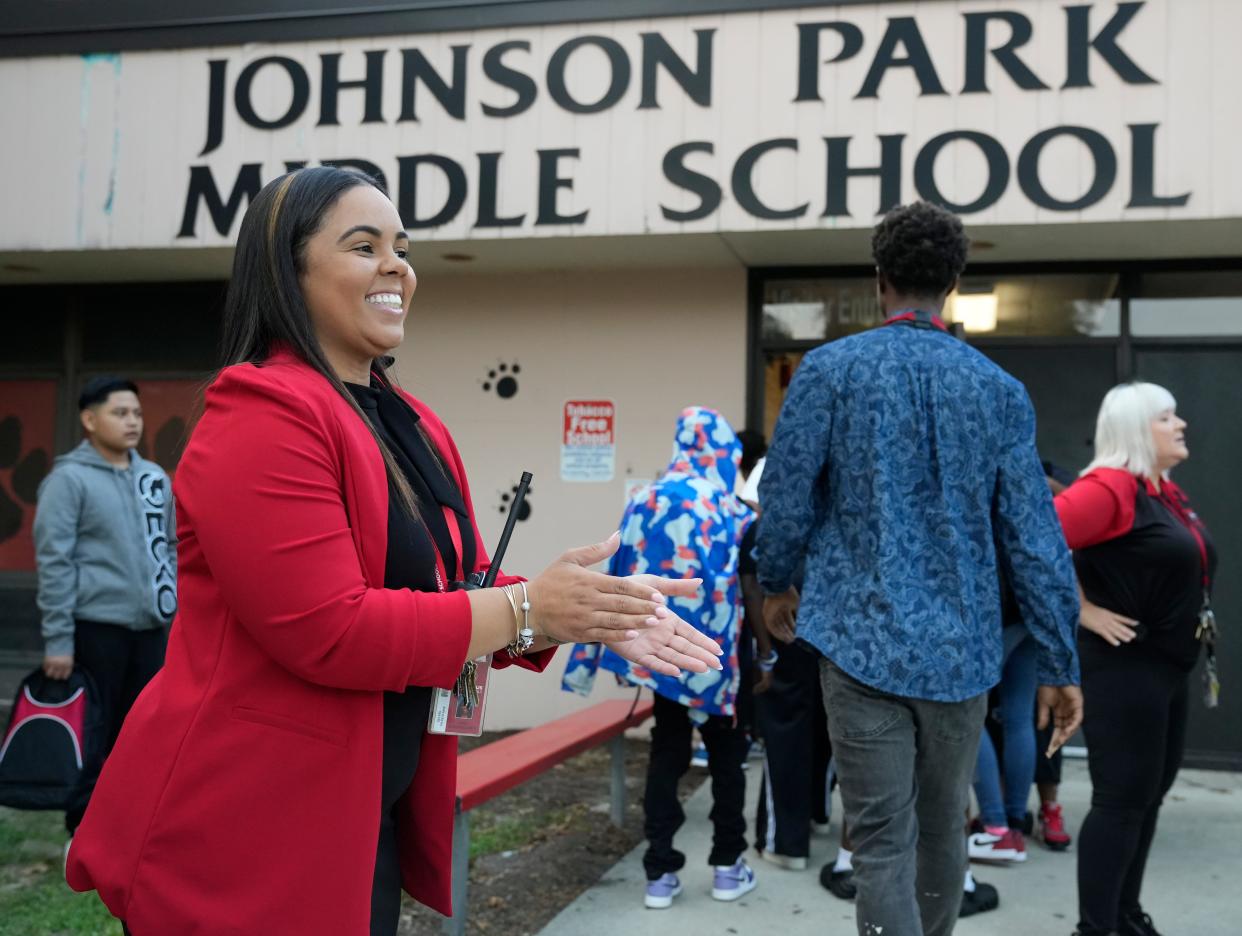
point(1145, 564)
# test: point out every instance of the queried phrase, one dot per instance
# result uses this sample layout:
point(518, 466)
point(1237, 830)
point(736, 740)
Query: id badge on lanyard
point(1206, 631)
point(459, 711)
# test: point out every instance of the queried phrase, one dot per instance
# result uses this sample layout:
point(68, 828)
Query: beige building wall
point(652, 341)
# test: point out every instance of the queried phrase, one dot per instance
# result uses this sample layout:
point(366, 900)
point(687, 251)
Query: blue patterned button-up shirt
point(903, 470)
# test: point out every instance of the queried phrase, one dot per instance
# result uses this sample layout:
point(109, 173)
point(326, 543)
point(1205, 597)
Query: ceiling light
point(975, 311)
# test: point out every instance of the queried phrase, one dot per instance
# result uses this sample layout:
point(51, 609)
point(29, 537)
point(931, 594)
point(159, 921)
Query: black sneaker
point(980, 900)
point(1136, 923)
point(840, 883)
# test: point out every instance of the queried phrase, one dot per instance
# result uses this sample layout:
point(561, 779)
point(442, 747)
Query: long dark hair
point(265, 309)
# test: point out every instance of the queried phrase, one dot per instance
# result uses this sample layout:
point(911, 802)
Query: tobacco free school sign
point(589, 440)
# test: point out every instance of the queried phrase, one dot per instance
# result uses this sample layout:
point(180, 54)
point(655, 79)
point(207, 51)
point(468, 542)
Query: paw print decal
point(20, 475)
point(503, 379)
point(507, 498)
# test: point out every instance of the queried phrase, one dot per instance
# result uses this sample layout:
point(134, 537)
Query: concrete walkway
point(1193, 884)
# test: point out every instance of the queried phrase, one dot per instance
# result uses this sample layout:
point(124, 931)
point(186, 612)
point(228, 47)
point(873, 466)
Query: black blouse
point(1153, 573)
point(410, 563)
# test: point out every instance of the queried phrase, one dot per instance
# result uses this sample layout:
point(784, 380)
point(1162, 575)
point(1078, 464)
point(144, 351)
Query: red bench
point(486, 772)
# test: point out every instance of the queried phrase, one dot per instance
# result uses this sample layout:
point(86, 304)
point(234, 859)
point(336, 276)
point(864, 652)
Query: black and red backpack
point(55, 729)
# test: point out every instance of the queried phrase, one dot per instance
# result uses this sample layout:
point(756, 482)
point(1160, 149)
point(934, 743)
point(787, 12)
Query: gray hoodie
point(106, 543)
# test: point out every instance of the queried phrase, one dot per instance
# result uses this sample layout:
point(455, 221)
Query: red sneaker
point(1052, 827)
point(988, 846)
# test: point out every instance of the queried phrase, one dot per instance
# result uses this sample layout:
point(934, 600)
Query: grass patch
point(34, 898)
point(492, 832)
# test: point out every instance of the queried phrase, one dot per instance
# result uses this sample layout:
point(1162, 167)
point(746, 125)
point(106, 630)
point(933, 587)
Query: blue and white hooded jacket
point(687, 524)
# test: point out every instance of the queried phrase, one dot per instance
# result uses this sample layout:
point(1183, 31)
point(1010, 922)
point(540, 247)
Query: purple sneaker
point(734, 881)
point(660, 893)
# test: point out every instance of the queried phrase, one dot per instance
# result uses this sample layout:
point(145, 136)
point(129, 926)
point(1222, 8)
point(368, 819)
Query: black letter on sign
point(521, 85)
point(550, 183)
point(808, 54)
point(1078, 46)
point(407, 198)
point(1143, 171)
point(840, 172)
point(489, 195)
point(697, 83)
point(1102, 156)
point(216, 70)
point(452, 97)
point(676, 171)
point(363, 166)
point(331, 86)
point(977, 51)
point(744, 183)
point(203, 186)
point(904, 31)
point(618, 65)
point(998, 171)
point(297, 103)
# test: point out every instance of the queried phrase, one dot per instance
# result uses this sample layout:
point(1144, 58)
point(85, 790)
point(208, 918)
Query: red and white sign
point(589, 440)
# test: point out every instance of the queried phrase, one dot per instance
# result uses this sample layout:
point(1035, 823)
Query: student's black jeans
point(121, 662)
point(1134, 720)
point(727, 747)
point(791, 720)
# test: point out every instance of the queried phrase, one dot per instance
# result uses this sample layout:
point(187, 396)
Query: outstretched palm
point(670, 645)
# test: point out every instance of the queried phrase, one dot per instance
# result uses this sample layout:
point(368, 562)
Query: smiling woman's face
point(356, 282)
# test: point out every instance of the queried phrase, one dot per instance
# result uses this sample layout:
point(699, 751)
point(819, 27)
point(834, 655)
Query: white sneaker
point(788, 862)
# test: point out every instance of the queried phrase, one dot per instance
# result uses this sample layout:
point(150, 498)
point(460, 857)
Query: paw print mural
point(502, 379)
point(20, 474)
point(506, 499)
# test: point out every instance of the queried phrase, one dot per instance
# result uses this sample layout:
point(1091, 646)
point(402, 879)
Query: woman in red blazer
point(322, 516)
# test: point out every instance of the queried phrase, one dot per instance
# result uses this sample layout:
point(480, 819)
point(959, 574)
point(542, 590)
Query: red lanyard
point(1191, 523)
point(454, 529)
point(912, 315)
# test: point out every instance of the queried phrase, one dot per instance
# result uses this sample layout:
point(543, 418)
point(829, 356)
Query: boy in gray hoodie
point(105, 540)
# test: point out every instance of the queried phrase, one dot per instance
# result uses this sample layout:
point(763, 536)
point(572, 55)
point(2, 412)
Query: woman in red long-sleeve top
point(276, 777)
point(1145, 563)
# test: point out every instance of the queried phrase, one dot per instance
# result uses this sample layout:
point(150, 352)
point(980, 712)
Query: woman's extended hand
point(1115, 628)
point(572, 604)
point(670, 646)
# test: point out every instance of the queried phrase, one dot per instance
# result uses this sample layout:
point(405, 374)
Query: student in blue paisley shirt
point(903, 472)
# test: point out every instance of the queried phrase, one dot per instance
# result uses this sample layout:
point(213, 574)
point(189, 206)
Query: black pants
point(727, 746)
point(791, 720)
point(1047, 769)
point(1135, 723)
point(122, 662)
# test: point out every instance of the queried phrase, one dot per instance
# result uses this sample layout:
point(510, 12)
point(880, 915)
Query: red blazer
point(243, 794)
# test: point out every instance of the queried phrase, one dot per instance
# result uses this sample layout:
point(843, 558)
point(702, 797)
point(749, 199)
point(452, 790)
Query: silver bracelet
point(526, 636)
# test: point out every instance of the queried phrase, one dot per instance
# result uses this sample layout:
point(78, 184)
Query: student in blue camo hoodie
point(690, 523)
point(106, 545)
